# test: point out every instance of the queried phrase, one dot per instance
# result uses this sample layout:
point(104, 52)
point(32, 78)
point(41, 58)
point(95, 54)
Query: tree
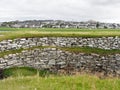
point(97, 25)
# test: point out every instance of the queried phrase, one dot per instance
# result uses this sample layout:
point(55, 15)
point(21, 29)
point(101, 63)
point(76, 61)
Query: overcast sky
point(77, 10)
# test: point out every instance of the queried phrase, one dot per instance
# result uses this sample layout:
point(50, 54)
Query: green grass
point(24, 71)
point(19, 71)
point(10, 52)
point(26, 78)
point(3, 53)
point(11, 33)
point(89, 50)
point(79, 82)
point(86, 50)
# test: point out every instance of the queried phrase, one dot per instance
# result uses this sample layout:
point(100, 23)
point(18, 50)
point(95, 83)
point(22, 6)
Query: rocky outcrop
point(55, 60)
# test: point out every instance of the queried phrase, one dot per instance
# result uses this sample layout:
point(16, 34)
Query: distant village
point(59, 24)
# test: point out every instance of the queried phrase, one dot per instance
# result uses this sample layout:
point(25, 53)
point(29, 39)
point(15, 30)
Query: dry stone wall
point(103, 43)
point(55, 59)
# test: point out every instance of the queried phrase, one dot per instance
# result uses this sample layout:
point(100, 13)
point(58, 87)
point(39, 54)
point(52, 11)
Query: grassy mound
point(24, 71)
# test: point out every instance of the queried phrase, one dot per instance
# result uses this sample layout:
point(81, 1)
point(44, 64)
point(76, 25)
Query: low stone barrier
point(103, 43)
point(55, 60)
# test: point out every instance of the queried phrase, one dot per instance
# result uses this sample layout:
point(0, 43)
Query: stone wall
point(55, 59)
point(103, 43)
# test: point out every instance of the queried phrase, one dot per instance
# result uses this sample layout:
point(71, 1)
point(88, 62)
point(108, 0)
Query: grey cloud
point(105, 2)
point(102, 10)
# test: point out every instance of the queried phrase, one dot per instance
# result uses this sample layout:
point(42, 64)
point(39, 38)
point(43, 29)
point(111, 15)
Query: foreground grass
point(82, 82)
point(26, 78)
point(11, 33)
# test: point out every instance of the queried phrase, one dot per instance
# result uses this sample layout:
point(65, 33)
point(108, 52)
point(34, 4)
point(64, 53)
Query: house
point(72, 26)
point(59, 24)
point(0, 24)
point(83, 25)
point(101, 26)
point(56, 26)
point(92, 25)
point(16, 26)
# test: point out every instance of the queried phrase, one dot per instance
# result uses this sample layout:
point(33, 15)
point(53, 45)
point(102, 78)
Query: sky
point(69, 10)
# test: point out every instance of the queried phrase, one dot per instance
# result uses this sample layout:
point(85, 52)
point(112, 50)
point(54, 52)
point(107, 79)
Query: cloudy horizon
point(69, 10)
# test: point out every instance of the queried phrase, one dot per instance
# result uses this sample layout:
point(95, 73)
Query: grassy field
point(11, 33)
point(25, 78)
